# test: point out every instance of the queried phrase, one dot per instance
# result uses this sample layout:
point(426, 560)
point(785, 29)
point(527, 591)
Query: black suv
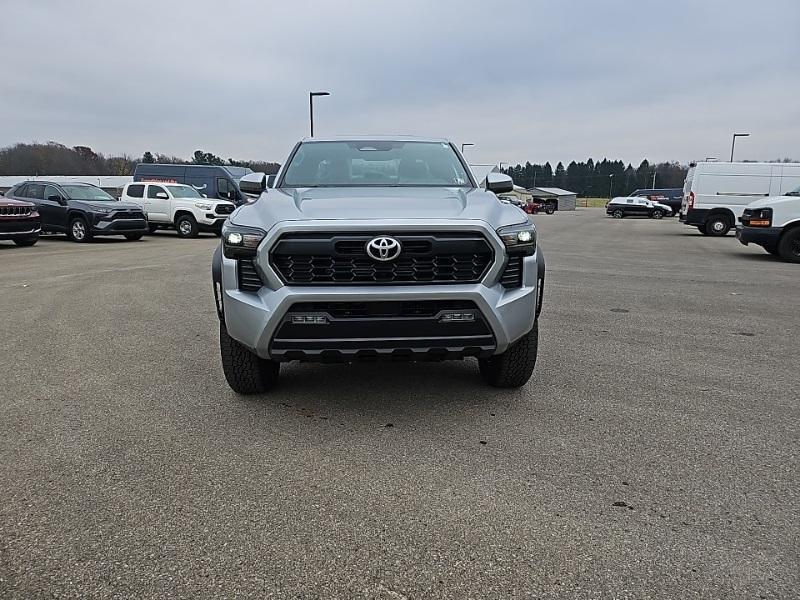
point(81, 210)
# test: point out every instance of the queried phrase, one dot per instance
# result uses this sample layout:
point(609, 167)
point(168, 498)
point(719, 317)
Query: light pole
point(611, 185)
point(311, 107)
point(463, 146)
point(654, 178)
point(733, 141)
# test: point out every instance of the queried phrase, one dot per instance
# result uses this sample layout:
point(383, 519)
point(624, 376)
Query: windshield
point(179, 191)
point(87, 192)
point(371, 163)
point(794, 192)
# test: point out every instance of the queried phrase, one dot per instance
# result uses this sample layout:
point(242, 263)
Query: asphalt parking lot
point(654, 454)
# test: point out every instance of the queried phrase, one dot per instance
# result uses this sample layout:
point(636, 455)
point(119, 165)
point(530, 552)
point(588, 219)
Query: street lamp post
point(311, 107)
point(654, 178)
point(610, 185)
point(733, 141)
point(463, 146)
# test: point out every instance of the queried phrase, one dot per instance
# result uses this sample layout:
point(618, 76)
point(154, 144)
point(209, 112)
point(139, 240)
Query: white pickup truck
point(178, 206)
point(774, 224)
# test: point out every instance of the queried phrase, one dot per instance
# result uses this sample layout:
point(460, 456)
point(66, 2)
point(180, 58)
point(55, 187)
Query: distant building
point(564, 199)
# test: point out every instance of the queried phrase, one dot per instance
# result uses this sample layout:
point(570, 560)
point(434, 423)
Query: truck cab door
point(158, 203)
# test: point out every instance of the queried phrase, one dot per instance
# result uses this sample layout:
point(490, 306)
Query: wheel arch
point(727, 212)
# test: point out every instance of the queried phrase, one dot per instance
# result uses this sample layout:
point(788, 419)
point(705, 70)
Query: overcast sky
point(523, 80)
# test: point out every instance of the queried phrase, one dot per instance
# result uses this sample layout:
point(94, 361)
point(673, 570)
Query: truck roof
point(375, 138)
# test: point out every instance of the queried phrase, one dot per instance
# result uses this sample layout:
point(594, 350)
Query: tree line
point(53, 158)
point(599, 179)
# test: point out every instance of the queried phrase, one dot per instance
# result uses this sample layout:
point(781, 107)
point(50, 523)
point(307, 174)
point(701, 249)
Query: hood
point(103, 206)
point(347, 203)
point(773, 200)
point(11, 202)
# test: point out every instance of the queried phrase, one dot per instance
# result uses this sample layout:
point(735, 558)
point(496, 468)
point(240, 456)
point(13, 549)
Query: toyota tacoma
point(377, 248)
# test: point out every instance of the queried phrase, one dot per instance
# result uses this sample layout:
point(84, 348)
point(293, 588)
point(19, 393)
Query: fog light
point(456, 317)
point(309, 320)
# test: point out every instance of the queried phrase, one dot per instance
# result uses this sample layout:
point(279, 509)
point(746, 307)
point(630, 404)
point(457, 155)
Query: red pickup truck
point(19, 221)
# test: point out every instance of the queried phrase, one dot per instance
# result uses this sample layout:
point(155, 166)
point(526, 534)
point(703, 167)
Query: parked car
point(672, 197)
point(210, 181)
point(774, 224)
point(81, 210)
point(377, 248)
point(19, 221)
point(534, 207)
point(715, 194)
point(177, 206)
point(627, 206)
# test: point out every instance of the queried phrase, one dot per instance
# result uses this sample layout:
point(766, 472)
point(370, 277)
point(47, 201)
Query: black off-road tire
point(514, 367)
point(152, 228)
point(26, 242)
point(772, 249)
point(186, 226)
point(133, 237)
point(789, 246)
point(549, 209)
point(245, 372)
point(718, 225)
point(702, 229)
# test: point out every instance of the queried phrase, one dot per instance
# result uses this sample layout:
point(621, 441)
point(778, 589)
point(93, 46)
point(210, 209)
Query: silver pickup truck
point(377, 248)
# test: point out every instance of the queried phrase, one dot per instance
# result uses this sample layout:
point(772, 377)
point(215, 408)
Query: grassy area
point(592, 202)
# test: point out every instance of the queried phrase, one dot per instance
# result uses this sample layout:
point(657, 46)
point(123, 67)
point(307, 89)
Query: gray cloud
point(522, 80)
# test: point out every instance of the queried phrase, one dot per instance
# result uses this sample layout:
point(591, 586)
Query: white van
point(178, 206)
point(716, 193)
point(774, 224)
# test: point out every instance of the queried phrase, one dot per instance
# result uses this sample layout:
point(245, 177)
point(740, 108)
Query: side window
point(20, 192)
point(136, 191)
point(35, 191)
point(152, 190)
point(223, 187)
point(50, 191)
point(630, 201)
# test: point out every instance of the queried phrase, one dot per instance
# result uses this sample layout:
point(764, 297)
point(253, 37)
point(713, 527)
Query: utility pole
point(654, 178)
point(610, 186)
point(733, 141)
point(311, 96)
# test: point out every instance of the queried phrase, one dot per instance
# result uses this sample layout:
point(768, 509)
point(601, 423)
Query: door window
point(136, 191)
point(35, 191)
point(20, 191)
point(50, 191)
point(152, 190)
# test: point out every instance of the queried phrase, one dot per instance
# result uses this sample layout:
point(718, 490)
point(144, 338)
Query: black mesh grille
point(325, 258)
point(248, 278)
point(130, 214)
point(224, 209)
point(512, 274)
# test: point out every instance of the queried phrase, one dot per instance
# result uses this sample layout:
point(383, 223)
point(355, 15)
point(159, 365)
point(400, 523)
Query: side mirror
point(55, 198)
point(162, 196)
point(499, 183)
point(271, 180)
point(253, 184)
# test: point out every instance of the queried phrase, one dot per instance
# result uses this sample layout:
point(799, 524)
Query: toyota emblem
point(383, 248)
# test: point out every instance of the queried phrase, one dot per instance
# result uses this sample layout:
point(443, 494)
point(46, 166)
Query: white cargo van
point(716, 193)
point(774, 224)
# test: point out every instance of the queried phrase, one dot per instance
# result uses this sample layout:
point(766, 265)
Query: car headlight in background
point(519, 238)
point(239, 241)
point(203, 205)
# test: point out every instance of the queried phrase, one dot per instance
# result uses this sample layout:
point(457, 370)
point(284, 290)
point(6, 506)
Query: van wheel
point(514, 367)
point(789, 246)
point(245, 372)
point(186, 226)
point(717, 225)
point(79, 231)
point(618, 214)
point(657, 214)
point(773, 249)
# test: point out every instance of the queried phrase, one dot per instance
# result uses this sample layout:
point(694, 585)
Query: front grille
point(382, 308)
point(247, 276)
point(512, 274)
point(132, 214)
point(224, 209)
point(15, 211)
point(340, 258)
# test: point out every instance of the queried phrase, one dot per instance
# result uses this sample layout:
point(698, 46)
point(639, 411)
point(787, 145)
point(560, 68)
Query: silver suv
point(376, 248)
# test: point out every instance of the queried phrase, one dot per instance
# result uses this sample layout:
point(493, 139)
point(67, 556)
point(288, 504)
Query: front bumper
point(253, 318)
point(761, 236)
point(211, 222)
point(11, 229)
point(120, 227)
point(694, 216)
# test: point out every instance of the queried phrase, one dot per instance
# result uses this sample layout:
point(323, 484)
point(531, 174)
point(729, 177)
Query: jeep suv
point(19, 222)
point(377, 248)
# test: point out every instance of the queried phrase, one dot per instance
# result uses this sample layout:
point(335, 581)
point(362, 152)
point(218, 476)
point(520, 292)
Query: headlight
point(239, 241)
point(519, 238)
point(203, 205)
point(760, 217)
